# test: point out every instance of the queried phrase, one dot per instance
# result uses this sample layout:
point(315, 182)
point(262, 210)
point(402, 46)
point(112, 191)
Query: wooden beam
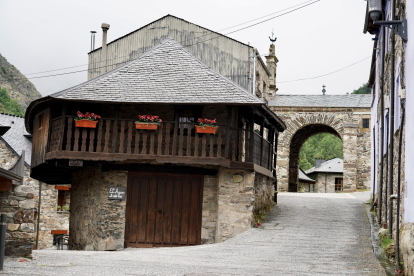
point(115, 130)
point(251, 142)
point(62, 188)
point(174, 146)
point(228, 132)
point(261, 141)
point(63, 123)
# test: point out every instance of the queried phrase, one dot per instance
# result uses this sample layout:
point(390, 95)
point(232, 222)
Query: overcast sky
point(326, 36)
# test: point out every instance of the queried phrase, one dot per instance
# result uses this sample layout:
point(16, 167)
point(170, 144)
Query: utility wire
point(327, 73)
point(181, 42)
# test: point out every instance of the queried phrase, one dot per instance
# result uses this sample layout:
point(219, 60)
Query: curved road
point(306, 234)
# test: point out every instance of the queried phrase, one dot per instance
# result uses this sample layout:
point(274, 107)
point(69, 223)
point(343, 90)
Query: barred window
point(365, 123)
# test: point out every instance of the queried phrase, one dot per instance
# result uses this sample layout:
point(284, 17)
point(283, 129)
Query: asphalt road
point(306, 234)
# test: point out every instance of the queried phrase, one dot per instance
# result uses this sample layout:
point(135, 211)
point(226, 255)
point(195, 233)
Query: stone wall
point(21, 205)
point(210, 207)
point(96, 222)
point(346, 123)
point(325, 181)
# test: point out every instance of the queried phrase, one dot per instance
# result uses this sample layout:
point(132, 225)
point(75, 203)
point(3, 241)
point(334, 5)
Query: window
point(63, 199)
point(188, 115)
point(338, 184)
point(365, 123)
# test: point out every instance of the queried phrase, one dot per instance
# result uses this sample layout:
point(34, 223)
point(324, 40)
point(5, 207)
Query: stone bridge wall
point(343, 122)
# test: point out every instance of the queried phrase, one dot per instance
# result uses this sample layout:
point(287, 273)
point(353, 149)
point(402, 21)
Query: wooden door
point(163, 210)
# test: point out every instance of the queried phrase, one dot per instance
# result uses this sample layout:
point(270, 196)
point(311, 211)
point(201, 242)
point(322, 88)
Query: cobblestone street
point(306, 234)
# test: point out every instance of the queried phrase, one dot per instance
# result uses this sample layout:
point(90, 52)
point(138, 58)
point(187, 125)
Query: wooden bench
point(60, 237)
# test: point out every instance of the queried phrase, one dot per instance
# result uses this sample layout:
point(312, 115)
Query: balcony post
point(271, 147)
point(261, 141)
point(228, 132)
point(251, 128)
point(63, 122)
point(115, 131)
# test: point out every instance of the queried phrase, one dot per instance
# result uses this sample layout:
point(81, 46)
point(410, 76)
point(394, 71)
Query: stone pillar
point(350, 133)
point(271, 63)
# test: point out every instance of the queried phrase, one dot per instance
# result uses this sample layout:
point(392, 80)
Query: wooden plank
point(194, 212)
point(152, 204)
point(211, 138)
point(59, 232)
point(159, 144)
point(143, 209)
point(240, 146)
point(181, 141)
point(167, 139)
point(91, 139)
point(185, 211)
point(135, 201)
point(196, 140)
point(122, 137)
point(204, 146)
point(63, 119)
point(233, 151)
point(251, 140)
point(168, 210)
point(176, 214)
point(174, 145)
point(159, 210)
point(144, 142)
point(115, 130)
point(137, 136)
point(107, 131)
point(76, 142)
point(129, 139)
point(84, 137)
point(219, 142)
point(152, 143)
point(99, 140)
point(228, 132)
point(62, 188)
point(188, 151)
point(261, 141)
point(69, 135)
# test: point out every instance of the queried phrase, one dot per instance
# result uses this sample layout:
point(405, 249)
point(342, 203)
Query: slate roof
point(15, 137)
point(167, 73)
point(351, 100)
point(335, 165)
point(303, 176)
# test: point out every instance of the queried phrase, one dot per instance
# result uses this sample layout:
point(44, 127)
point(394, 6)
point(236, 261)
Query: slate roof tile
point(351, 100)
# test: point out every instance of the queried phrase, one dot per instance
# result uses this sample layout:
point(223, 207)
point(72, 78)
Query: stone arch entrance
point(298, 139)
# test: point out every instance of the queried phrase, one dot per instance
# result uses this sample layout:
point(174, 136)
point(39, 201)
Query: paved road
point(306, 234)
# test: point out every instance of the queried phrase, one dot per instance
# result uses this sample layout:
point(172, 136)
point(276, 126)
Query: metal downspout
point(373, 183)
point(386, 175)
point(397, 238)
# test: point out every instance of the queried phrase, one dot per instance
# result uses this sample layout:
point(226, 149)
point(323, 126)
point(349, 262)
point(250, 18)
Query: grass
point(260, 214)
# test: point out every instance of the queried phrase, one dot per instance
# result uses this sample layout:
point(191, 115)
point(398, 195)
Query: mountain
point(18, 87)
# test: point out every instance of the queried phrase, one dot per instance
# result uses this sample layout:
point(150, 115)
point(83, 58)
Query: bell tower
point(271, 63)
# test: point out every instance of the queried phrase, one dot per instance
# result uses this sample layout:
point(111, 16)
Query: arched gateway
point(346, 116)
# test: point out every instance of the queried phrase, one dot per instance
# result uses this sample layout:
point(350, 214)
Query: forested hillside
point(324, 145)
point(8, 105)
point(17, 86)
point(363, 89)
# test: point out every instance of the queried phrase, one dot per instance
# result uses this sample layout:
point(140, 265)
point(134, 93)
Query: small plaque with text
point(117, 193)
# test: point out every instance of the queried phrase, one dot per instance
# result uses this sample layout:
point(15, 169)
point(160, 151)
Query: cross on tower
point(323, 90)
point(271, 38)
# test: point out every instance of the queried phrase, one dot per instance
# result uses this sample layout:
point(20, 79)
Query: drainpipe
point(397, 233)
point(391, 155)
point(382, 128)
point(386, 176)
point(254, 72)
point(105, 28)
point(373, 183)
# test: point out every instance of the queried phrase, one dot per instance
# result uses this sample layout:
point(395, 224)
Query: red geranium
point(87, 116)
point(207, 122)
point(149, 119)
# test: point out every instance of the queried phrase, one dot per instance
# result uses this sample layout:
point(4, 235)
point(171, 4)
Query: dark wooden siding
point(40, 137)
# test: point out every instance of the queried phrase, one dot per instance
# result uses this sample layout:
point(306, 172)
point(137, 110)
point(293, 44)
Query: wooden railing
point(169, 139)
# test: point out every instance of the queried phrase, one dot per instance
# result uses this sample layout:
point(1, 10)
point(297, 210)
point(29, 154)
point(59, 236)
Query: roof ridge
point(4, 113)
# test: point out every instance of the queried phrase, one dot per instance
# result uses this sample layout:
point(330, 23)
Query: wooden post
point(115, 130)
point(261, 141)
point(228, 133)
point(275, 152)
point(174, 146)
point(271, 147)
point(251, 142)
point(62, 127)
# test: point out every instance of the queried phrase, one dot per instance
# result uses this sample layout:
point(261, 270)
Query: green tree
point(323, 145)
point(363, 89)
point(9, 105)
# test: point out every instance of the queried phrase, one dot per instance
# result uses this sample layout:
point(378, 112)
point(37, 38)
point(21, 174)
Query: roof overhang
point(10, 175)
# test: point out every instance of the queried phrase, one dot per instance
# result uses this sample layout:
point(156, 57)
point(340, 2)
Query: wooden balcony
point(176, 143)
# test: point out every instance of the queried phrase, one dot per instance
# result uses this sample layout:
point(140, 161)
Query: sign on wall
point(76, 163)
point(117, 193)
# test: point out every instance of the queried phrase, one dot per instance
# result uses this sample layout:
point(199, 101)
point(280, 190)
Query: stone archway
point(296, 143)
point(302, 125)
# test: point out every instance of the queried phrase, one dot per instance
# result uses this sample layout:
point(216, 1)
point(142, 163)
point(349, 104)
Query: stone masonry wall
point(325, 181)
point(21, 205)
point(210, 206)
point(96, 222)
point(345, 122)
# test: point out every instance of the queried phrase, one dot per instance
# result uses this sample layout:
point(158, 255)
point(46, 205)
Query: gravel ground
point(305, 234)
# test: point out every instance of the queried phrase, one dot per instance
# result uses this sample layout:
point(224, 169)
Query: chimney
point(318, 162)
point(105, 28)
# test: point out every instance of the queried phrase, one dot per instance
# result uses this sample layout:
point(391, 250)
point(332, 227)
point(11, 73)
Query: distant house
point(176, 186)
point(19, 193)
point(328, 174)
point(306, 184)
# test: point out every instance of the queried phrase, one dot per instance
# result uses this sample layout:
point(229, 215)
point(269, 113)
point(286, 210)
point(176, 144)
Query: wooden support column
point(275, 152)
point(62, 127)
point(115, 130)
point(174, 146)
point(271, 148)
point(251, 128)
point(228, 132)
point(261, 141)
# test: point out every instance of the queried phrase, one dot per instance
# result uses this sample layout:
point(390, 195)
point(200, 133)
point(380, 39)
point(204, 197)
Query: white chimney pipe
point(105, 28)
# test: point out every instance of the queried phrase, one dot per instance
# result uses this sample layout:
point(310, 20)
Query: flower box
point(86, 123)
point(206, 129)
point(148, 126)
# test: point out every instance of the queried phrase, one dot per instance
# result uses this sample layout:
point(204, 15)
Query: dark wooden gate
point(163, 210)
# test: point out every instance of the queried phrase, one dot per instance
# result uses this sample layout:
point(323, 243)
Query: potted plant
point(206, 126)
point(65, 208)
point(88, 120)
point(148, 122)
point(58, 208)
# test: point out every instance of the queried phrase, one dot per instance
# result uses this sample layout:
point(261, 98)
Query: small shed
point(328, 174)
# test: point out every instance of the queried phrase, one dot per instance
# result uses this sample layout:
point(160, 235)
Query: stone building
point(306, 184)
point(233, 59)
point(345, 116)
point(176, 187)
point(392, 94)
point(328, 175)
point(21, 202)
